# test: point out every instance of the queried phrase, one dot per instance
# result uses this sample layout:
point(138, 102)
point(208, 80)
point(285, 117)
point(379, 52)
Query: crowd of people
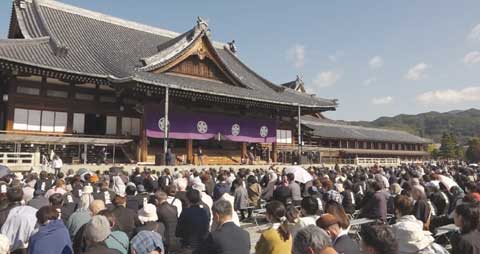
point(201, 210)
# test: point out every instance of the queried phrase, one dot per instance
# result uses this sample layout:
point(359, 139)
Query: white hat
point(199, 186)
point(411, 236)
point(148, 213)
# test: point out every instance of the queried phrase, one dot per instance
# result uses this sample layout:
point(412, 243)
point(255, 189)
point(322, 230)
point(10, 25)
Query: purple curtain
point(206, 125)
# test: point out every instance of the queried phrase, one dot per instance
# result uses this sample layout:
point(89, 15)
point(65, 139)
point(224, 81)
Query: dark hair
point(56, 200)
point(278, 213)
point(379, 237)
point(403, 205)
point(290, 177)
point(15, 194)
point(109, 215)
point(470, 214)
point(310, 205)
point(222, 208)
point(60, 175)
point(337, 210)
point(130, 190)
point(46, 213)
point(171, 190)
point(252, 180)
point(193, 196)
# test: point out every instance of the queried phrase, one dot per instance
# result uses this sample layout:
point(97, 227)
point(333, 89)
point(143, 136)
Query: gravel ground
point(255, 232)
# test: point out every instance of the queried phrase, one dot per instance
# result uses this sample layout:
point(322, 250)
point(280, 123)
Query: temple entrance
point(95, 124)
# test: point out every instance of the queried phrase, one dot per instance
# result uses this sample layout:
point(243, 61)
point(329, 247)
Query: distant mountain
point(464, 124)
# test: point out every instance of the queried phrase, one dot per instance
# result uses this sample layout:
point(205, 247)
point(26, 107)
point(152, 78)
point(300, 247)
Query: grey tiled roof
point(69, 39)
point(329, 129)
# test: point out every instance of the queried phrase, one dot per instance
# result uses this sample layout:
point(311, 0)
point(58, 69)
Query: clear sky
point(378, 58)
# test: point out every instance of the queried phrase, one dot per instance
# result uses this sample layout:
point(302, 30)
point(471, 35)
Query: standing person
point(422, 209)
point(240, 195)
point(466, 217)
point(221, 187)
point(295, 190)
point(126, 218)
point(165, 180)
point(375, 203)
point(200, 155)
point(57, 164)
point(167, 214)
point(228, 237)
point(277, 239)
point(254, 192)
point(52, 235)
point(193, 224)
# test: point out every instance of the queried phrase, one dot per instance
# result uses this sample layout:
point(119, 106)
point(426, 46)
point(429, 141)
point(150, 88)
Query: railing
point(18, 159)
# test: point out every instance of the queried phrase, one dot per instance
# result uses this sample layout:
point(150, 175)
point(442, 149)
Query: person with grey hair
point(312, 240)
point(228, 237)
point(97, 231)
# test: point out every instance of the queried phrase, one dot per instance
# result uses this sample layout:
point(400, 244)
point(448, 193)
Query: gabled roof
point(69, 39)
point(296, 85)
point(330, 129)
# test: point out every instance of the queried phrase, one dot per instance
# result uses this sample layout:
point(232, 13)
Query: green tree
point(473, 151)
point(448, 148)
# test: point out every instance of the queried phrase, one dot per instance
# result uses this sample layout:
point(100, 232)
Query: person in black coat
point(193, 224)
point(168, 215)
point(228, 238)
point(126, 219)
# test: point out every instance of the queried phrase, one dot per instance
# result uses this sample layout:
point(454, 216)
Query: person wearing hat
point(149, 219)
point(147, 242)
point(96, 232)
point(341, 241)
point(409, 231)
point(312, 240)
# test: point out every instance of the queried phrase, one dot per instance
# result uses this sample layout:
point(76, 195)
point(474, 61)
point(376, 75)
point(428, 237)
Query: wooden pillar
point(244, 150)
point(142, 147)
point(274, 152)
point(189, 151)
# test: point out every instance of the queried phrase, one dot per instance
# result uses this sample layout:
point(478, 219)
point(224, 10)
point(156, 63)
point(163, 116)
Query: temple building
point(81, 83)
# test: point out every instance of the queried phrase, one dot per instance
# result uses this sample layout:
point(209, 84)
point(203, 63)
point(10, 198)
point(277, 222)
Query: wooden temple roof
point(324, 128)
point(84, 45)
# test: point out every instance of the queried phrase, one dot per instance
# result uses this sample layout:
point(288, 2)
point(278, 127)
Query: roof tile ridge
point(275, 87)
point(58, 48)
point(354, 126)
point(37, 40)
point(106, 18)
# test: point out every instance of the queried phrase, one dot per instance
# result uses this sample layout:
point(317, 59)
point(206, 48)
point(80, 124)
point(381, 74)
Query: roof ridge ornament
point(231, 46)
point(202, 24)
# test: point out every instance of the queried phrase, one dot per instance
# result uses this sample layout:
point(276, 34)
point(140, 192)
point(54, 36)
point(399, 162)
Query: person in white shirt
point(57, 164)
